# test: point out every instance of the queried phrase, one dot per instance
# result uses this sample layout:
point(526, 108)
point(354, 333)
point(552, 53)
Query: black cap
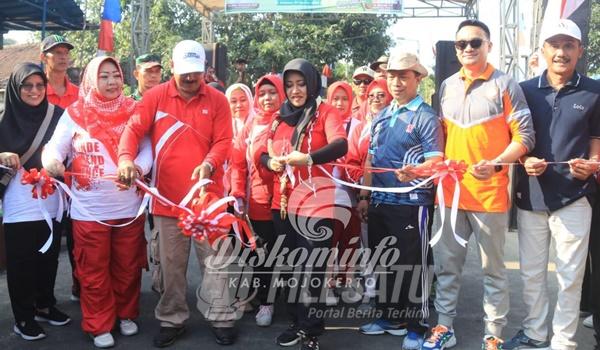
point(54, 40)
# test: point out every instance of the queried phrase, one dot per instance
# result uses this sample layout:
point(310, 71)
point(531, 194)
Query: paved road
point(341, 334)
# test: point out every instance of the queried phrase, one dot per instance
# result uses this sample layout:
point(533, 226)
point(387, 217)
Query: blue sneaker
point(441, 338)
point(381, 326)
point(523, 342)
point(413, 341)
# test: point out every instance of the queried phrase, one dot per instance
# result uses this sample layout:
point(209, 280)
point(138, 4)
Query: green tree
point(268, 41)
point(593, 49)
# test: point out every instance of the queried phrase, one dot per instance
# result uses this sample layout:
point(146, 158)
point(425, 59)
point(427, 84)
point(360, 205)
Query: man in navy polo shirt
point(553, 200)
point(405, 135)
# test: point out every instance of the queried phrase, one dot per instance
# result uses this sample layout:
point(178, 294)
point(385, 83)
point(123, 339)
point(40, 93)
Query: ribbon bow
point(43, 184)
point(209, 220)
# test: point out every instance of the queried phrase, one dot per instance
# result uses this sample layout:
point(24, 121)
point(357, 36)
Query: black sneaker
point(54, 316)
point(167, 335)
point(289, 337)
point(224, 335)
point(29, 330)
point(310, 343)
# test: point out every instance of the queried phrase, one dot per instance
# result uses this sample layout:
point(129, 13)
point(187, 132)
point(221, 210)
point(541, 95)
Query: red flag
point(110, 14)
point(106, 38)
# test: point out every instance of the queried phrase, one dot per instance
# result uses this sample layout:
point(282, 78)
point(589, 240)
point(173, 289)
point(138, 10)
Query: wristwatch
point(364, 198)
point(498, 168)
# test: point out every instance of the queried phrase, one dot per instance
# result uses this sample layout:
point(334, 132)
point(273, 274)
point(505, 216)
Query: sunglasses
point(30, 87)
point(362, 81)
point(474, 43)
point(379, 96)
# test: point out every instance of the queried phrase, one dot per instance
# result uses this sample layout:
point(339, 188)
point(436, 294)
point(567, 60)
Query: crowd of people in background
point(292, 153)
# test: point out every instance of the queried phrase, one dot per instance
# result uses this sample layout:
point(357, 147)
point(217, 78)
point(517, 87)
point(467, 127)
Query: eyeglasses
point(29, 87)
point(357, 82)
point(379, 96)
point(474, 43)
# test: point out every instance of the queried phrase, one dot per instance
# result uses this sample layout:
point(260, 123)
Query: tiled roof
point(11, 55)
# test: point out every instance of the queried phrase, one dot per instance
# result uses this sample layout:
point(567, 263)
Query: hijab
point(238, 123)
point(19, 122)
point(103, 120)
point(348, 90)
point(365, 109)
point(299, 117)
point(270, 79)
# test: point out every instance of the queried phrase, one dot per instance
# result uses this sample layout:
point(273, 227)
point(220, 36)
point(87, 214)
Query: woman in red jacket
point(346, 234)
point(378, 97)
point(305, 133)
point(252, 182)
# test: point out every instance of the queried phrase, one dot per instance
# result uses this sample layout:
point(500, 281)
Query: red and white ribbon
point(439, 171)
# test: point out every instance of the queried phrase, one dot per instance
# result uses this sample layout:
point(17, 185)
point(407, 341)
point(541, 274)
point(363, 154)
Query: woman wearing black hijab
point(306, 132)
point(30, 274)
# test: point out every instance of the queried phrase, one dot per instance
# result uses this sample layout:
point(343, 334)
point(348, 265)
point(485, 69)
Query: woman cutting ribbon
point(306, 132)
point(110, 255)
point(26, 124)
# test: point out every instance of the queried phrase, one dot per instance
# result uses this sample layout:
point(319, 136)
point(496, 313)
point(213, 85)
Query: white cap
point(363, 70)
point(560, 27)
point(188, 57)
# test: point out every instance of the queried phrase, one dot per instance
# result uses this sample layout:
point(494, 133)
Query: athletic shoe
point(54, 316)
point(589, 321)
point(104, 340)
point(167, 336)
point(309, 343)
point(491, 342)
point(523, 342)
point(128, 327)
point(29, 330)
point(441, 338)
point(264, 316)
point(289, 337)
point(413, 341)
point(381, 326)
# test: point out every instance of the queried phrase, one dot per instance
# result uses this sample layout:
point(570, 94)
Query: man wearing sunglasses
point(362, 77)
point(553, 200)
point(487, 124)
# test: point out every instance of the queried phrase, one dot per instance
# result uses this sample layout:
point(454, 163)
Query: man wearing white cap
point(408, 132)
point(554, 200)
point(362, 77)
point(190, 128)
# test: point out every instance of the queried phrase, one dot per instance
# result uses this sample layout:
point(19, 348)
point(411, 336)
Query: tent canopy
point(28, 15)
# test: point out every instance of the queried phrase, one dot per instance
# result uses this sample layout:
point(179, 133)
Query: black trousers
point(303, 278)
point(30, 274)
point(593, 267)
point(266, 234)
point(401, 281)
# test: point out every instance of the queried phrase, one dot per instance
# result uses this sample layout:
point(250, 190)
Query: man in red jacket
point(189, 125)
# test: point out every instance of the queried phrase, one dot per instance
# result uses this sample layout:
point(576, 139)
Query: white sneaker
point(264, 316)
point(104, 340)
point(589, 321)
point(128, 327)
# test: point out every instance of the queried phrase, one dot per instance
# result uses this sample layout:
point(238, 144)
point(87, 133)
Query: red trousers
point(109, 262)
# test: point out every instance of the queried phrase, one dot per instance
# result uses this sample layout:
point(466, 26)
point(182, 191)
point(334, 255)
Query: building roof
point(27, 15)
point(11, 55)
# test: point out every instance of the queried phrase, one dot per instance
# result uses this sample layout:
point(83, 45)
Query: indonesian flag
point(110, 14)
